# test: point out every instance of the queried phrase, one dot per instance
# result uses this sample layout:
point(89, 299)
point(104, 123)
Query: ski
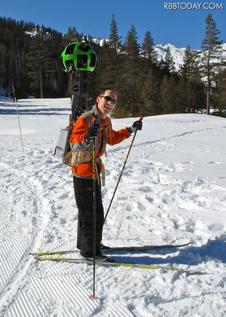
point(53, 252)
point(117, 249)
point(112, 263)
point(145, 248)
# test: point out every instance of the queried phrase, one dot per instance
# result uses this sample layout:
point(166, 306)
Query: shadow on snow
point(39, 111)
point(214, 250)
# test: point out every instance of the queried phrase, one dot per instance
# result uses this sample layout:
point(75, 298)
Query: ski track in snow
point(22, 201)
point(155, 204)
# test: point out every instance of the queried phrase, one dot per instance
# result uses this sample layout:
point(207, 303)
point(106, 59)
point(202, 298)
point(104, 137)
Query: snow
point(176, 53)
point(172, 190)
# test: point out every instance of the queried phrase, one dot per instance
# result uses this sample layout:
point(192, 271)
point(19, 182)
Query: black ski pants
point(83, 189)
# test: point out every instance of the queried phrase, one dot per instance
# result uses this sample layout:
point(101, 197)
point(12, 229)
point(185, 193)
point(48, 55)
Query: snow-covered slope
point(176, 53)
point(173, 190)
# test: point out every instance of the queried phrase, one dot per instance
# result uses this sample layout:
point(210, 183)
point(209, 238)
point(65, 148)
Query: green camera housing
point(79, 56)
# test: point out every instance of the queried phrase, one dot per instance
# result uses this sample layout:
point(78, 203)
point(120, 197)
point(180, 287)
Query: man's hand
point(92, 132)
point(138, 125)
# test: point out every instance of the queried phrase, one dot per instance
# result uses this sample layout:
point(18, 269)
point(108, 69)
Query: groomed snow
point(173, 190)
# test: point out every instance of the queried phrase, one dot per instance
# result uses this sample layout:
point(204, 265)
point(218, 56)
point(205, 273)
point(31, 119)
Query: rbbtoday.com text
point(193, 6)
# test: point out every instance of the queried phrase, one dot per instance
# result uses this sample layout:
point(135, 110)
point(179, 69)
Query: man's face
point(106, 102)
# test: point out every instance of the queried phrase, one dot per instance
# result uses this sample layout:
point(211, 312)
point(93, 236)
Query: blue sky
point(182, 25)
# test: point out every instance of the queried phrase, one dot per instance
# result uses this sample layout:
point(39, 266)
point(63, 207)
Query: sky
point(181, 23)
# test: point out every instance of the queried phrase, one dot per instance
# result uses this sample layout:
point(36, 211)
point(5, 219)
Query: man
point(90, 126)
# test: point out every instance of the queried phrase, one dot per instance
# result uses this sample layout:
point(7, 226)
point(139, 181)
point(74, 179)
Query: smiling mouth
point(107, 108)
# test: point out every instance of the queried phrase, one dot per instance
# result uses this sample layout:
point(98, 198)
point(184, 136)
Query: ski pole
point(93, 296)
point(116, 187)
point(18, 116)
point(18, 119)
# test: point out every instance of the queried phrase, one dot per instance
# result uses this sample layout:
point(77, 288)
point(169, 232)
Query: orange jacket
point(106, 135)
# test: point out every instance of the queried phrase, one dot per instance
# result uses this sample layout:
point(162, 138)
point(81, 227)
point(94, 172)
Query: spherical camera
point(79, 56)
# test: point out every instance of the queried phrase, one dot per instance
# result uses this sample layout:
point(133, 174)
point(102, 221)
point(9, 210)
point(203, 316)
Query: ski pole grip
point(139, 120)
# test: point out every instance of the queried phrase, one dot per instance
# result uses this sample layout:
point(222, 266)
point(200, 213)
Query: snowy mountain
point(176, 53)
point(173, 190)
point(161, 49)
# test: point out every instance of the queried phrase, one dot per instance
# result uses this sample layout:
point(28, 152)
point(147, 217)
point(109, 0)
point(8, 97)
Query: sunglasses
point(108, 98)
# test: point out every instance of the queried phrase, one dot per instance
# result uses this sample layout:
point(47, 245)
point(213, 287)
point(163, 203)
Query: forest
point(30, 65)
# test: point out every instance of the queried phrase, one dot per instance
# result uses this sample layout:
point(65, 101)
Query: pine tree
point(169, 63)
point(131, 71)
point(148, 49)
point(114, 36)
point(211, 55)
point(39, 62)
point(116, 47)
point(190, 68)
point(167, 101)
point(106, 69)
point(191, 87)
point(220, 91)
point(13, 44)
point(181, 96)
point(150, 95)
point(72, 35)
point(131, 46)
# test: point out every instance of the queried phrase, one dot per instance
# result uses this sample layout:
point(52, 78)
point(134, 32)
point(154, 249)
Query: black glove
point(137, 125)
point(92, 132)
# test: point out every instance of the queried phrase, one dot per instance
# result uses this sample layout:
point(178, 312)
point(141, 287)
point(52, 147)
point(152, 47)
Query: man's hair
point(102, 91)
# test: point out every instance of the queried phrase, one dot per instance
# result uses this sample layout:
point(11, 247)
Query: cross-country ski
point(117, 249)
point(113, 263)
